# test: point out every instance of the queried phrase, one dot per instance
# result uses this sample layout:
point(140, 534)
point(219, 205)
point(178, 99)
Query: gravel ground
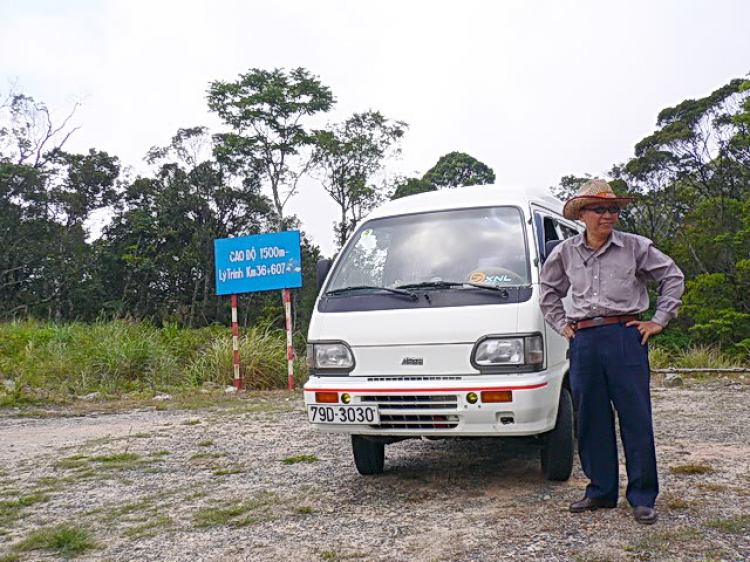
point(210, 484)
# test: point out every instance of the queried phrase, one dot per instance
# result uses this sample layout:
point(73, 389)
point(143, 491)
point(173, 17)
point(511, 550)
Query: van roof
point(465, 197)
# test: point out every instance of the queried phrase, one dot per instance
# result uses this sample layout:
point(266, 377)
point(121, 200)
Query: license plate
point(358, 415)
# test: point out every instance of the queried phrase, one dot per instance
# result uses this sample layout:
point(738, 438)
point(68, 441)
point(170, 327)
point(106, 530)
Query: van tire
point(558, 444)
point(369, 456)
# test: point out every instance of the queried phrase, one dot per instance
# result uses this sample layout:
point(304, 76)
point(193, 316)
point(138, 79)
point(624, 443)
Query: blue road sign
point(258, 263)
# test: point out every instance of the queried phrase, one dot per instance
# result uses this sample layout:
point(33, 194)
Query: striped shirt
point(610, 281)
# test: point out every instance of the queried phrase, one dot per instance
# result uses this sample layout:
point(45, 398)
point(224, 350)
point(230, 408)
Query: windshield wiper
point(430, 285)
point(397, 291)
point(448, 284)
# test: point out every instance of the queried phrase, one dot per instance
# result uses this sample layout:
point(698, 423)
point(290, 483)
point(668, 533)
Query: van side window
point(566, 231)
point(550, 232)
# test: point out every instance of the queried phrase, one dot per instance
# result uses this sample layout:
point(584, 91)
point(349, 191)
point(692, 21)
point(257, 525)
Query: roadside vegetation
point(47, 362)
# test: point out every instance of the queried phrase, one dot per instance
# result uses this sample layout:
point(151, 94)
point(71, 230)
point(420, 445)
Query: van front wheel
point(369, 456)
point(557, 445)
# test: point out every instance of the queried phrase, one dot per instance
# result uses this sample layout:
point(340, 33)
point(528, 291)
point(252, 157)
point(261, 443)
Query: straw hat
point(593, 191)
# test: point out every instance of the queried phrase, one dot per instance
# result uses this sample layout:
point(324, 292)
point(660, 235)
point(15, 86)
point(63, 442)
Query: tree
point(268, 141)
point(412, 186)
point(569, 186)
point(458, 169)
point(348, 156)
point(27, 133)
point(156, 257)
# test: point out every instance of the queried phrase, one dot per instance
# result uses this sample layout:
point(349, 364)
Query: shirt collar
point(614, 238)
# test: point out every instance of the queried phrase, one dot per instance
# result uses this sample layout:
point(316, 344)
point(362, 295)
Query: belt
point(603, 321)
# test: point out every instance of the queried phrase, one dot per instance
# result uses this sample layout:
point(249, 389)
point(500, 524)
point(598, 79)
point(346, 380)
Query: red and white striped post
point(236, 345)
point(289, 345)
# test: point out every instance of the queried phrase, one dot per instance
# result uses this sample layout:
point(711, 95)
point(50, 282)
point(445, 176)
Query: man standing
point(606, 272)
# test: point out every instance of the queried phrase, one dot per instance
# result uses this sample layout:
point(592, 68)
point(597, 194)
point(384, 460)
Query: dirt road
point(246, 479)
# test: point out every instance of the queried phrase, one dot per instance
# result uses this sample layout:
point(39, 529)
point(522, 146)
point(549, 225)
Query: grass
point(116, 458)
point(56, 363)
point(12, 510)
point(692, 357)
point(687, 469)
point(736, 525)
point(654, 546)
point(149, 528)
point(300, 458)
point(207, 443)
point(304, 510)
point(230, 513)
point(65, 540)
point(207, 456)
point(228, 471)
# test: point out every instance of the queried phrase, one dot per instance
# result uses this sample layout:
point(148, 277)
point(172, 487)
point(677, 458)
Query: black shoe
point(591, 504)
point(645, 515)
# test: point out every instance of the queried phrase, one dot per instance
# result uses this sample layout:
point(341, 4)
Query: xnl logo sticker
point(480, 277)
point(412, 361)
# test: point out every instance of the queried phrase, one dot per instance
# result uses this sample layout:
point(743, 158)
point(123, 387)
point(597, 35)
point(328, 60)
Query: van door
point(551, 227)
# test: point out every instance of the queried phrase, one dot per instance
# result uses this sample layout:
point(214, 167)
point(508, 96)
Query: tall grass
point(693, 357)
point(262, 359)
point(124, 356)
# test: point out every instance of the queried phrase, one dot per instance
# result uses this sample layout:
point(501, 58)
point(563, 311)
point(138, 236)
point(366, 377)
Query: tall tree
point(458, 169)
point(268, 138)
point(347, 158)
point(412, 186)
point(158, 251)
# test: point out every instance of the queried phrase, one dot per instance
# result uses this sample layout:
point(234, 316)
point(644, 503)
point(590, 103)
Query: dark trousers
point(609, 367)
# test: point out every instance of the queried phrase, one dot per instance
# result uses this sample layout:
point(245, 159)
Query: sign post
point(262, 262)
point(289, 345)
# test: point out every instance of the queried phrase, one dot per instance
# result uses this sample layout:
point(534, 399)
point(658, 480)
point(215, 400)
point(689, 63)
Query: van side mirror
point(548, 247)
point(321, 272)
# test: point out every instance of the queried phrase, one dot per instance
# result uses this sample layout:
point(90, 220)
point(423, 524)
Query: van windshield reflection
point(482, 248)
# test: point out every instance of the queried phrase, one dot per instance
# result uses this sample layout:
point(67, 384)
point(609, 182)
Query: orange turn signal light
point(327, 397)
point(497, 396)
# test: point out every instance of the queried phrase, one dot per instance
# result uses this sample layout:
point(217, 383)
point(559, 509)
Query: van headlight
point(333, 355)
point(496, 352)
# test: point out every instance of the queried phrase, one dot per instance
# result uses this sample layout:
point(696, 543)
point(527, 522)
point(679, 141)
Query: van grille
point(412, 402)
point(410, 411)
point(410, 422)
point(412, 379)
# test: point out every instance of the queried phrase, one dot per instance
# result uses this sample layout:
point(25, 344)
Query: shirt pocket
point(621, 287)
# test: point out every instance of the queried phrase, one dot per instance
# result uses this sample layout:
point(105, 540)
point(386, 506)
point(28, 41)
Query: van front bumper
point(440, 408)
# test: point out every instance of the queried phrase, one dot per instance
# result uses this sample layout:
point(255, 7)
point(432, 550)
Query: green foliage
point(412, 186)
point(121, 356)
point(262, 356)
point(65, 540)
point(692, 356)
point(347, 156)
point(265, 112)
point(458, 169)
point(691, 178)
point(569, 186)
point(300, 459)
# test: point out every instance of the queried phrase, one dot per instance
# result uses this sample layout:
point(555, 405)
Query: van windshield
point(482, 245)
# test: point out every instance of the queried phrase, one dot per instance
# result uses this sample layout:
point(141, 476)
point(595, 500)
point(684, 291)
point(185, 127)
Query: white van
point(428, 325)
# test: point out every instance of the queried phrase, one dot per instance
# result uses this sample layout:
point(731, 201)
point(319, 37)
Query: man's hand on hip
point(568, 331)
point(647, 329)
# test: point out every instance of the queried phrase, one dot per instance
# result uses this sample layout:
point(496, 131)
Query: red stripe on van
point(402, 390)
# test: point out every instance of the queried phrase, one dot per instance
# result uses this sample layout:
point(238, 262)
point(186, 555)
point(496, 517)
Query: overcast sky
point(535, 89)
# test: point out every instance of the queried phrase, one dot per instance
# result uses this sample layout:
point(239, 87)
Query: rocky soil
point(245, 478)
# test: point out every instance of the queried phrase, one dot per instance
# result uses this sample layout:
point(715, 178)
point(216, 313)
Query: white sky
point(536, 89)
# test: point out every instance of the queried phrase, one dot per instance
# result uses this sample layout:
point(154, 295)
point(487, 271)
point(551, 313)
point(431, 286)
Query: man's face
point(600, 224)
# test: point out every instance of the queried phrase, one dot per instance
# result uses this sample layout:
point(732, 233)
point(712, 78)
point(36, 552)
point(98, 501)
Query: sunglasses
point(614, 210)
